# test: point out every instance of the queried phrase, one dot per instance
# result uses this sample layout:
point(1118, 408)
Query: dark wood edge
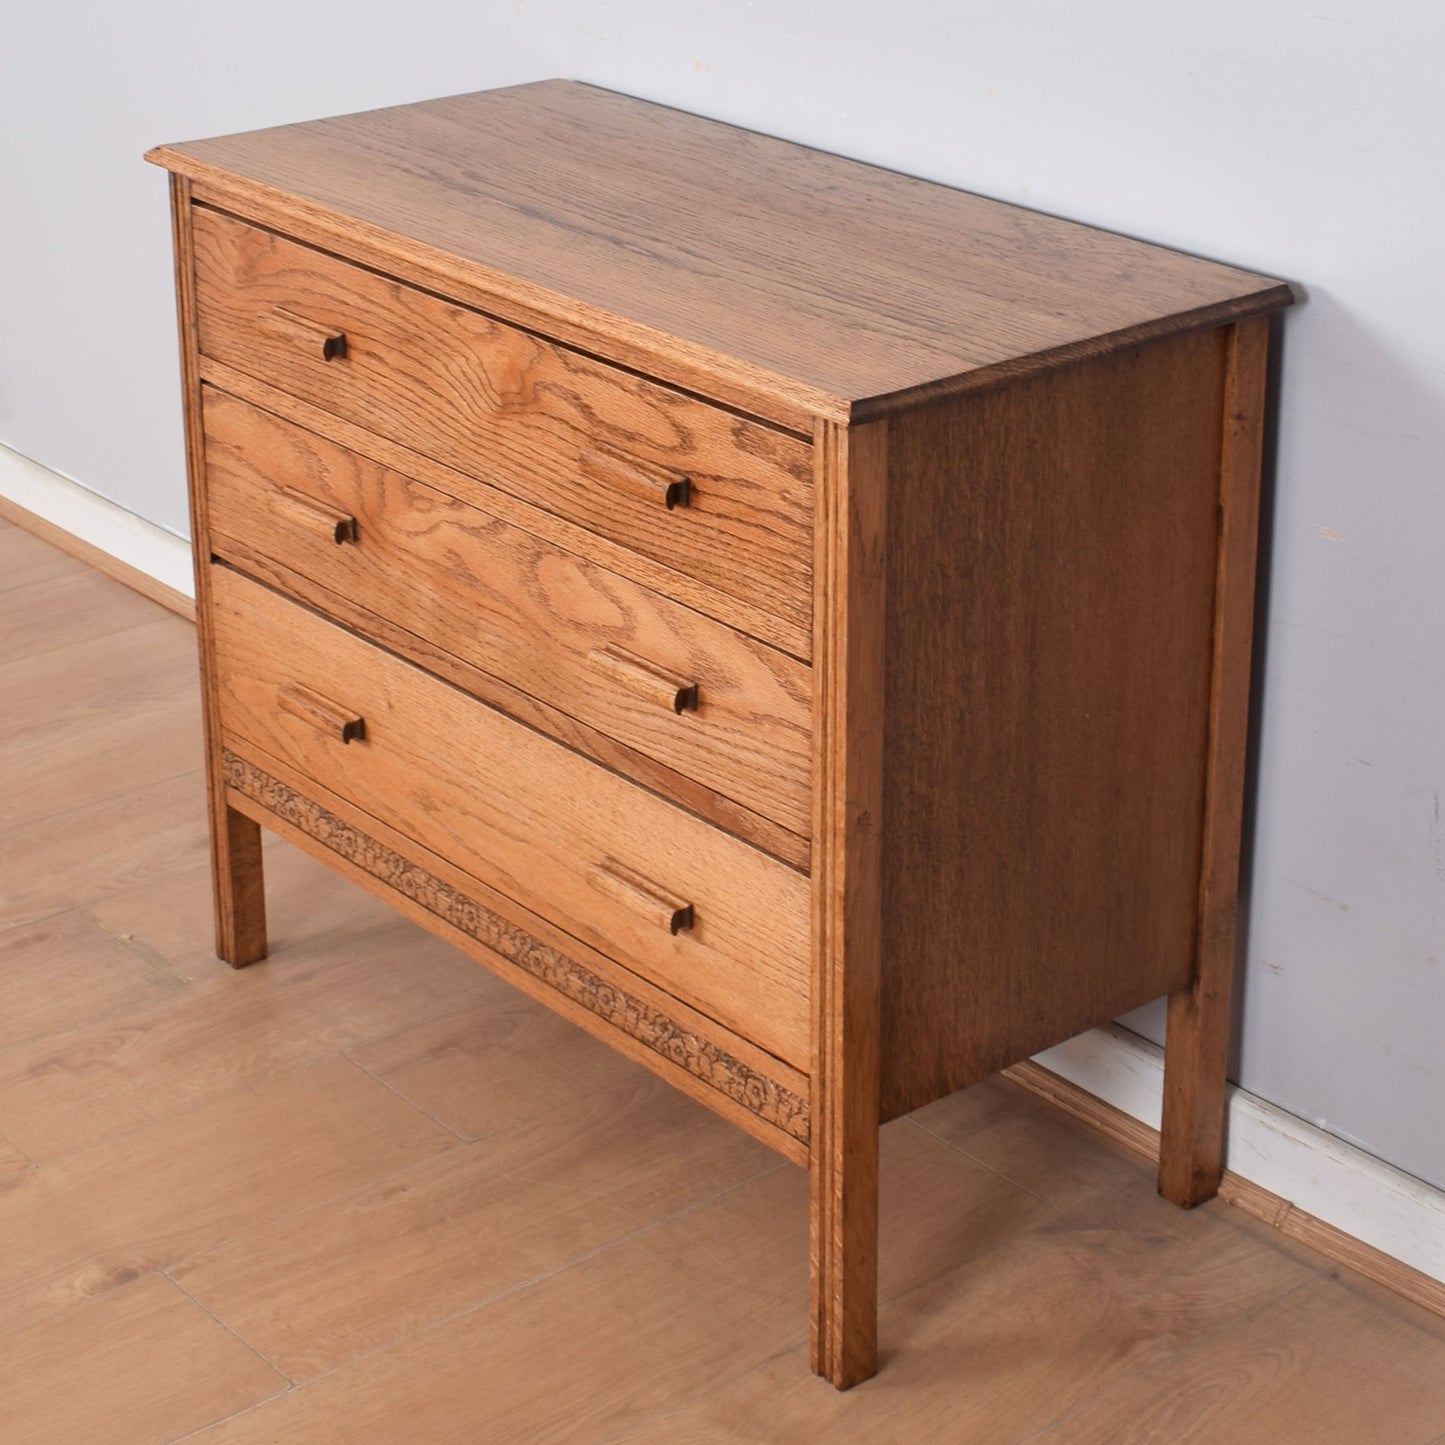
point(1197, 1030)
point(237, 885)
point(848, 651)
point(987, 378)
point(684, 1048)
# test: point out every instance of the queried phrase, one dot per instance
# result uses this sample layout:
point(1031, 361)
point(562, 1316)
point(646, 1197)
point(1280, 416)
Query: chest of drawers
point(790, 618)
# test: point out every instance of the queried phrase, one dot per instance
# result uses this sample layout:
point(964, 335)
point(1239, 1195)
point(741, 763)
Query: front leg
point(843, 1220)
point(848, 620)
point(238, 886)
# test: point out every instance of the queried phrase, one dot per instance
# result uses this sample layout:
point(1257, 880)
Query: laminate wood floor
point(364, 1192)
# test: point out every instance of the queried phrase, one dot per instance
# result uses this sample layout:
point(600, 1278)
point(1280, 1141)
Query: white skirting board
point(1376, 1203)
point(66, 504)
point(1337, 1183)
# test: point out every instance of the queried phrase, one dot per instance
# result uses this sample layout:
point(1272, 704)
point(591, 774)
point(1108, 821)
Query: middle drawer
point(707, 701)
point(713, 921)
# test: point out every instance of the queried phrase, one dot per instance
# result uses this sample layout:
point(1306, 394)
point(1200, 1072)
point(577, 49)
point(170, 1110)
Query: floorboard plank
point(141, 1364)
point(233, 1030)
point(69, 605)
point(77, 857)
point(1313, 1366)
point(66, 972)
point(26, 560)
point(77, 1227)
point(356, 1274)
point(997, 1349)
point(84, 722)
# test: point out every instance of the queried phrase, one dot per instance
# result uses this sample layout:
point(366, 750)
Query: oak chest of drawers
point(790, 618)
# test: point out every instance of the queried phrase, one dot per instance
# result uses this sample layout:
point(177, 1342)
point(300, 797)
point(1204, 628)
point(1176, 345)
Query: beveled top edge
point(658, 276)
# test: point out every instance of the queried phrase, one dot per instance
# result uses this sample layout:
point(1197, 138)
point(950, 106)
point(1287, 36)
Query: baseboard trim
point(60, 511)
point(1351, 1207)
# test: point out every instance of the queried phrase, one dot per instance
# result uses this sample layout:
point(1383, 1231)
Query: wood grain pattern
point(506, 406)
point(1279, 1213)
point(475, 1222)
point(1050, 566)
point(847, 903)
point(107, 728)
point(237, 879)
point(1304, 1368)
point(707, 803)
point(683, 1045)
point(361, 971)
point(503, 1064)
point(581, 1353)
point(1333, 1243)
point(144, 1200)
point(1191, 1157)
point(736, 263)
point(60, 872)
point(513, 605)
point(996, 1349)
point(84, 613)
point(65, 970)
point(623, 561)
point(522, 813)
point(125, 1347)
point(25, 558)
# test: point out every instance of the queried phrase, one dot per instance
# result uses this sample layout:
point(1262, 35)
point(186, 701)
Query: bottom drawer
point(713, 921)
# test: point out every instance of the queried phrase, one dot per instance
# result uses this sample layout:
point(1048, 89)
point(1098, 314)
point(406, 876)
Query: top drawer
point(696, 488)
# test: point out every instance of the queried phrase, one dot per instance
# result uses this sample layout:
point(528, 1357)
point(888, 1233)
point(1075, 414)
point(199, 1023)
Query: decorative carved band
point(688, 1050)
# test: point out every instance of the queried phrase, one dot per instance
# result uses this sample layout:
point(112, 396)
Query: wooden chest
point(791, 618)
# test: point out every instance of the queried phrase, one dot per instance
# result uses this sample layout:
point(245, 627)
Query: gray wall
point(1295, 142)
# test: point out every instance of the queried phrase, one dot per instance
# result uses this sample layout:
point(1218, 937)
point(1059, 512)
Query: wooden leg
point(236, 884)
point(1191, 1155)
point(1191, 1152)
point(240, 896)
point(844, 1251)
point(847, 910)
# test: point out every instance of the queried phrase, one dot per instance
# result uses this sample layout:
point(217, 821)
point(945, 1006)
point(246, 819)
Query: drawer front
point(696, 488)
point(713, 921)
point(704, 700)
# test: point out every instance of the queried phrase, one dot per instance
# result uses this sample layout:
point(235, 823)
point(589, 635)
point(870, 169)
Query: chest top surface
point(856, 287)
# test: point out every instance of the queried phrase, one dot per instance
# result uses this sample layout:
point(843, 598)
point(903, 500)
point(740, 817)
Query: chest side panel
point(1051, 551)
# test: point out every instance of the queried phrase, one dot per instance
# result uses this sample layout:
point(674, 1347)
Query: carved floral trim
point(688, 1050)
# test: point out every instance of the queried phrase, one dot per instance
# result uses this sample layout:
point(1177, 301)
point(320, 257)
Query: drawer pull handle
point(642, 894)
point(639, 479)
point(310, 335)
point(645, 679)
point(340, 525)
point(323, 714)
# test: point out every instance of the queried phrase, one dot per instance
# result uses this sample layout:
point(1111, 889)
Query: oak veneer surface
point(545, 826)
point(1046, 722)
point(808, 276)
point(561, 431)
point(558, 626)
